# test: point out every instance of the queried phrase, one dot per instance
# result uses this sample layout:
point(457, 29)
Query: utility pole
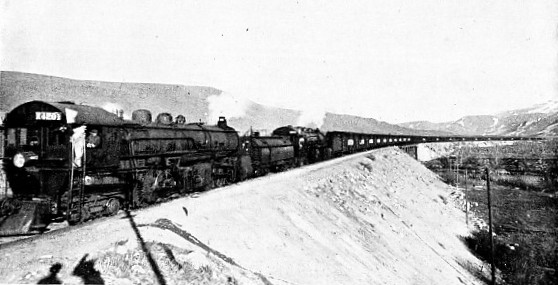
point(466, 201)
point(457, 162)
point(449, 165)
point(493, 266)
point(457, 171)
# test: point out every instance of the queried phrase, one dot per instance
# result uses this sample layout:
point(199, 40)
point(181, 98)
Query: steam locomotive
point(78, 162)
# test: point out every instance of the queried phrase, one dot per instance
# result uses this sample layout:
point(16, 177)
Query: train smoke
point(226, 104)
point(115, 109)
point(312, 118)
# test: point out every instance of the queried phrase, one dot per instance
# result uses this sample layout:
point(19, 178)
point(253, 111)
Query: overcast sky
point(390, 60)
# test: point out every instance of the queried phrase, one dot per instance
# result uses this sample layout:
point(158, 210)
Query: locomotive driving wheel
point(143, 191)
point(151, 184)
point(9, 206)
point(164, 179)
point(77, 218)
point(220, 182)
point(112, 207)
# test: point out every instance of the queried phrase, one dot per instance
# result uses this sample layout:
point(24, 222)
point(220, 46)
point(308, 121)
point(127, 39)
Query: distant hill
point(359, 124)
point(17, 88)
point(262, 117)
point(196, 103)
point(538, 120)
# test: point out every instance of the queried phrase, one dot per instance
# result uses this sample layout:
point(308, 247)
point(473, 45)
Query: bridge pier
point(411, 150)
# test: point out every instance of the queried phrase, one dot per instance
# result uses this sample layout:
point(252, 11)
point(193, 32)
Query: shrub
point(519, 264)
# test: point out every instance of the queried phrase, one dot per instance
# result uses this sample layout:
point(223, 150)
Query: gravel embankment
point(373, 218)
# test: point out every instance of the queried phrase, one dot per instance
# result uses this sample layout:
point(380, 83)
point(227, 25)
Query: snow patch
point(549, 107)
point(495, 121)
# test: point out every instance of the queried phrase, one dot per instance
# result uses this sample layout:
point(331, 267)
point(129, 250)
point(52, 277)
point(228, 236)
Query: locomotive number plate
point(48, 116)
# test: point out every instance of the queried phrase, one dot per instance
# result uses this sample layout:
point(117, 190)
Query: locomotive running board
point(28, 220)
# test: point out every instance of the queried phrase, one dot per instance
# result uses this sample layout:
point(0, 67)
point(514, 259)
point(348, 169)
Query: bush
point(448, 177)
point(519, 182)
point(519, 264)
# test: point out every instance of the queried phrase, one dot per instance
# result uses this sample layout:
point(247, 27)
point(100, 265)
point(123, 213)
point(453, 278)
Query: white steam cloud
point(227, 105)
point(115, 108)
point(312, 118)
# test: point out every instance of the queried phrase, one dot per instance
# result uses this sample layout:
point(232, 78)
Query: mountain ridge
point(538, 120)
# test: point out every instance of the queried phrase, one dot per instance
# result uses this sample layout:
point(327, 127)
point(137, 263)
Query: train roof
point(289, 130)
point(41, 113)
point(62, 112)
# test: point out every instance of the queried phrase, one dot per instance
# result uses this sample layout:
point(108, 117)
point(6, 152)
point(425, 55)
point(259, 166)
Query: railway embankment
point(378, 217)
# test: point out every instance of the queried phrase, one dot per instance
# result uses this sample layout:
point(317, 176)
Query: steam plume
point(226, 104)
point(312, 118)
point(115, 109)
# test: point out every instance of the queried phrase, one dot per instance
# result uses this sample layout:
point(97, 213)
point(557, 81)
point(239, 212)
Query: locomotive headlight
point(89, 180)
point(19, 160)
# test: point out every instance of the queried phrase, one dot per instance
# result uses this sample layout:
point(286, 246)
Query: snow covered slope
point(540, 119)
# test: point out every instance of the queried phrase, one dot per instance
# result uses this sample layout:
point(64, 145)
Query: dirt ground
point(374, 218)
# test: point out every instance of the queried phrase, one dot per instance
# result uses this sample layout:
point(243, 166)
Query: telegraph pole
point(457, 171)
point(493, 266)
point(466, 201)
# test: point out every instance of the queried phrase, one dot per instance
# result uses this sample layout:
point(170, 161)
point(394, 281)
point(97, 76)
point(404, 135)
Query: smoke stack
point(222, 123)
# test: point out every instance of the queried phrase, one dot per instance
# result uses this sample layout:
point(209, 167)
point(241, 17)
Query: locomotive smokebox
point(222, 123)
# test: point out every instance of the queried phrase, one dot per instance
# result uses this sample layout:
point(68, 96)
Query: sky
point(391, 60)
